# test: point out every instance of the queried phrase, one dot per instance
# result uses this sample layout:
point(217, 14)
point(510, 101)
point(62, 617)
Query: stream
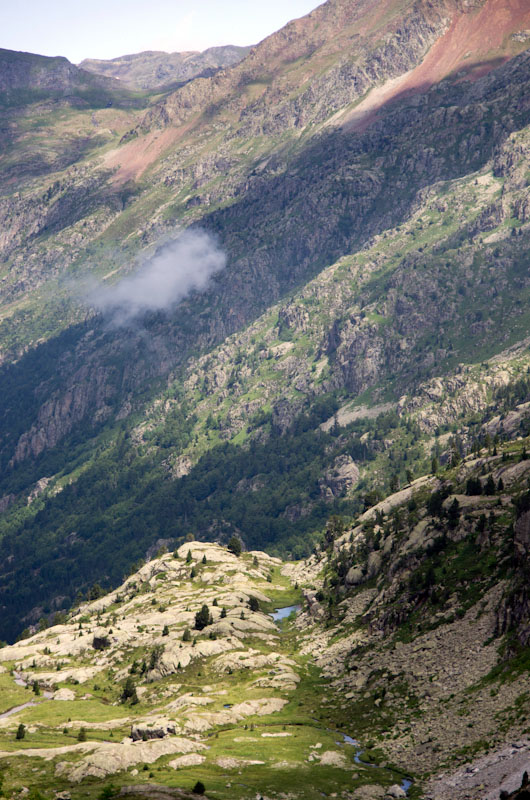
point(279, 614)
point(406, 783)
point(19, 680)
point(16, 709)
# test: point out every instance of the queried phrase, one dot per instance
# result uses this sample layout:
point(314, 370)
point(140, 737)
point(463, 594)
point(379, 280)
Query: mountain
point(363, 176)
point(154, 68)
point(402, 657)
point(26, 72)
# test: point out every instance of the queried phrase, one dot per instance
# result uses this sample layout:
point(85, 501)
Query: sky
point(111, 28)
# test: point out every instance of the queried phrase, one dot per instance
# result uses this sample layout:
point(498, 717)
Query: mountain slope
point(373, 245)
point(408, 660)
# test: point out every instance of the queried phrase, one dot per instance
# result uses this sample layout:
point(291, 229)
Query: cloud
point(184, 265)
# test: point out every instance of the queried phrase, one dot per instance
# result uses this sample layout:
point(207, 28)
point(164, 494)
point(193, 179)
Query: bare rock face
point(343, 477)
point(38, 489)
point(108, 759)
point(292, 317)
point(514, 610)
point(522, 535)
point(5, 502)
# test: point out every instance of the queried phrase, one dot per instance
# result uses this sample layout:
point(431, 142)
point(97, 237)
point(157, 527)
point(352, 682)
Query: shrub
point(21, 731)
point(108, 792)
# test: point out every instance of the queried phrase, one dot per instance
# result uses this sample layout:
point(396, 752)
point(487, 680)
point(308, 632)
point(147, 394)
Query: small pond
point(283, 613)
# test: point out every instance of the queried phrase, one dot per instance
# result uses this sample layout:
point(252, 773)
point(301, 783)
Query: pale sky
point(110, 28)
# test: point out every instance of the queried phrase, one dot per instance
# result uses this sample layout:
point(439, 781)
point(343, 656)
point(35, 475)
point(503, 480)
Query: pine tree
point(202, 618)
point(81, 736)
point(489, 488)
point(21, 731)
point(234, 545)
point(128, 689)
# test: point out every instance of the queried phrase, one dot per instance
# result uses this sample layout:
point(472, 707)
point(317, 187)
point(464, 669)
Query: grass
point(286, 757)
point(12, 695)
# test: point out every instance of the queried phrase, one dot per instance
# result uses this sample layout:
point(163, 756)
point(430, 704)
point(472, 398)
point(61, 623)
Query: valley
point(265, 413)
point(407, 657)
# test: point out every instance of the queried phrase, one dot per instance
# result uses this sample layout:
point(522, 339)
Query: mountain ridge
point(152, 69)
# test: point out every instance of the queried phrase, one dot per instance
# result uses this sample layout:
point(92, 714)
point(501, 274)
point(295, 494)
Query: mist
point(184, 265)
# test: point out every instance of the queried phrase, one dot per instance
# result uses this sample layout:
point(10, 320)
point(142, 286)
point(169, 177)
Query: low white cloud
point(185, 265)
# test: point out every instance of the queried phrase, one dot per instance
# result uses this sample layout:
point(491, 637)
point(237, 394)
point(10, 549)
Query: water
point(406, 783)
point(19, 680)
point(16, 709)
point(358, 753)
point(283, 613)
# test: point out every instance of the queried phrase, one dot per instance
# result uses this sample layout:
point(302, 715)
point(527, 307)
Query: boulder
point(395, 792)
point(64, 694)
point(191, 760)
point(229, 762)
point(332, 758)
point(374, 563)
point(355, 576)
point(154, 729)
